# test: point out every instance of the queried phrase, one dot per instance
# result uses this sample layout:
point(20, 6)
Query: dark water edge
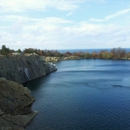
point(83, 95)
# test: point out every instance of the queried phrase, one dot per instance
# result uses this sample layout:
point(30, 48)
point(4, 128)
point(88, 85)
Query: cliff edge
point(24, 68)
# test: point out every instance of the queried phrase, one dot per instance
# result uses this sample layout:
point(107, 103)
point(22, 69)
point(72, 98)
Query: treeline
point(7, 51)
point(51, 53)
point(115, 53)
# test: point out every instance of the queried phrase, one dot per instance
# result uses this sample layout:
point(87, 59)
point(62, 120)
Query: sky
point(64, 24)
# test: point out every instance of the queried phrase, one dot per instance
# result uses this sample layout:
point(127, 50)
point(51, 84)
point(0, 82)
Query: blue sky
point(65, 24)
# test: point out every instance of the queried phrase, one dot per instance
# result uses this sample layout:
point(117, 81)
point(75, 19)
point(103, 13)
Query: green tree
point(19, 51)
point(4, 50)
point(94, 55)
point(87, 55)
point(107, 55)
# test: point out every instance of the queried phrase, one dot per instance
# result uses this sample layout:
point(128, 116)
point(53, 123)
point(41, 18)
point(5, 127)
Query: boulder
point(15, 105)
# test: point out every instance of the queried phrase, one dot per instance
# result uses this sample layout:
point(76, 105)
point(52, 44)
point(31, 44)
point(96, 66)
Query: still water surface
point(83, 95)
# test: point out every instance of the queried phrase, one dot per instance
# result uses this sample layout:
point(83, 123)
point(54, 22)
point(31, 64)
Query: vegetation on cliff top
point(7, 51)
point(115, 53)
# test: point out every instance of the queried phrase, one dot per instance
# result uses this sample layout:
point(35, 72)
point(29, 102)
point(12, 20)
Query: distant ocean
point(89, 50)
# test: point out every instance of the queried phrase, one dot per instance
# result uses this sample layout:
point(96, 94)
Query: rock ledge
point(15, 105)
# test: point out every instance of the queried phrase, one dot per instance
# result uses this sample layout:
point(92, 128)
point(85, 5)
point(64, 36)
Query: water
point(83, 95)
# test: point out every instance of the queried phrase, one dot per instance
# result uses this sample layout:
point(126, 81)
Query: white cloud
point(70, 13)
point(21, 5)
point(111, 16)
point(96, 20)
point(53, 33)
point(57, 20)
point(18, 30)
point(117, 14)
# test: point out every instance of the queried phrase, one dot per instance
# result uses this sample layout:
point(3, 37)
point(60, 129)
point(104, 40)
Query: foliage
point(94, 55)
point(128, 55)
point(4, 50)
point(118, 53)
point(29, 50)
point(19, 51)
point(115, 53)
point(67, 54)
point(87, 55)
point(107, 55)
point(79, 54)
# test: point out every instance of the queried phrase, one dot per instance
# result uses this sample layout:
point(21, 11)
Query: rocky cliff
point(24, 68)
point(15, 105)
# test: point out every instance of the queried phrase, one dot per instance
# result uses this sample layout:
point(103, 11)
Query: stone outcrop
point(71, 58)
point(24, 68)
point(15, 105)
point(51, 59)
point(56, 59)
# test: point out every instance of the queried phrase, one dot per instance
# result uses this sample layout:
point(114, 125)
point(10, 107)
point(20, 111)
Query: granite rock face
point(24, 68)
point(15, 105)
point(16, 100)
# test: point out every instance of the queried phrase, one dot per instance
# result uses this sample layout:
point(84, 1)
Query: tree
point(107, 55)
point(19, 51)
point(67, 54)
point(118, 53)
point(87, 55)
point(94, 55)
point(128, 55)
point(4, 50)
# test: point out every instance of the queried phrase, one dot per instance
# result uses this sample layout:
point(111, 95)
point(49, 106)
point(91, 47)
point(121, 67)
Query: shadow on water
point(37, 83)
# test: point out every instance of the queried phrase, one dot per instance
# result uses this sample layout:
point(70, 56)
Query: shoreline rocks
point(57, 59)
point(15, 105)
point(15, 99)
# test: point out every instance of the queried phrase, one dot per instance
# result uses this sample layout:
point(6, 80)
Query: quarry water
point(83, 95)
